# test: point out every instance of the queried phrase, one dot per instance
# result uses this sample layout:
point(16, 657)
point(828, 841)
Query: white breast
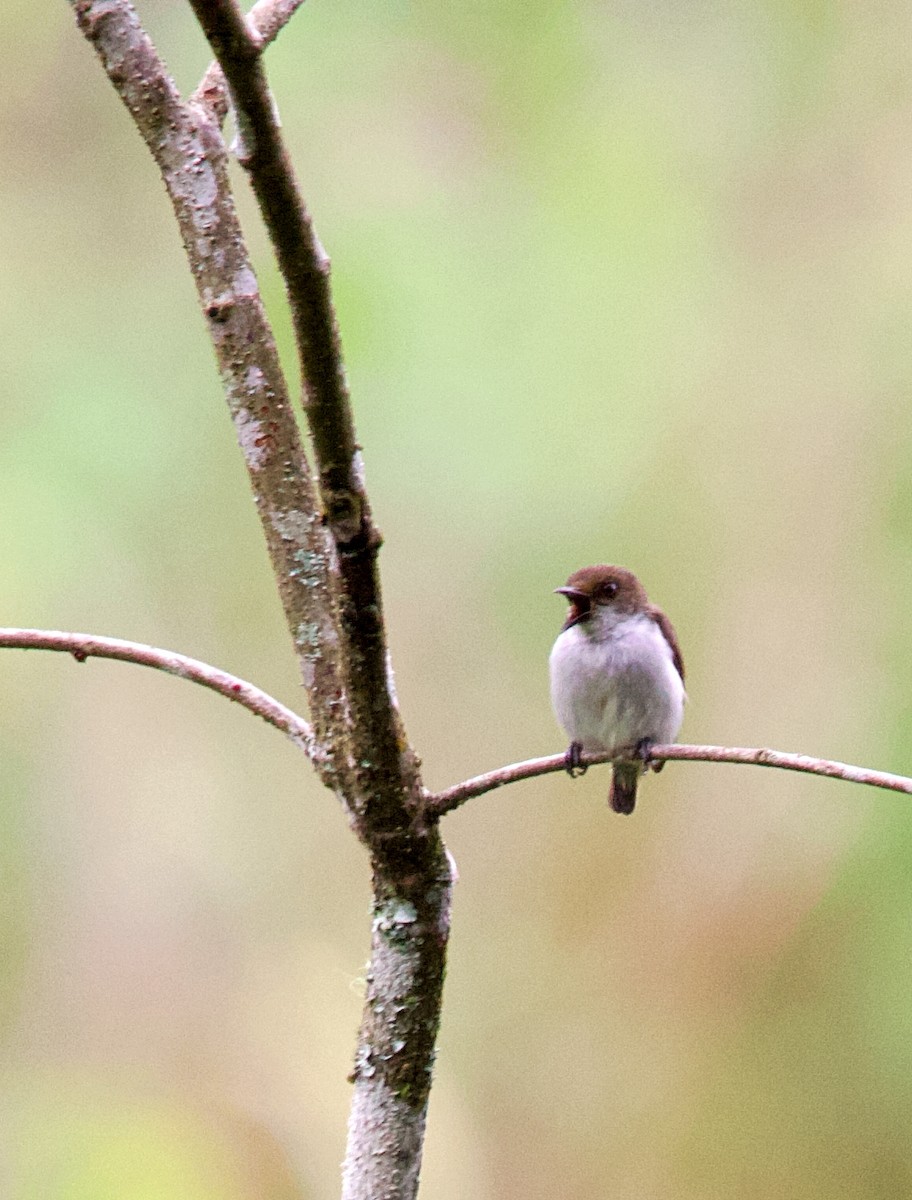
point(615, 684)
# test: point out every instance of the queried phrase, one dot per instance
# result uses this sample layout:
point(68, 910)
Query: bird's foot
point(573, 761)
point(644, 754)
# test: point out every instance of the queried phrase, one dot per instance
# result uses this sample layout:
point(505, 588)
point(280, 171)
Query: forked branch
point(323, 547)
point(266, 20)
point(187, 146)
point(388, 781)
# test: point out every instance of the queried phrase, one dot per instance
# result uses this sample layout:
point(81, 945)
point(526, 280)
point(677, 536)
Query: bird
point(617, 676)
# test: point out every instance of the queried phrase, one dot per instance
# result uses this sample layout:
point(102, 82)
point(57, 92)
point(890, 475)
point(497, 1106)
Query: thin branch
point(86, 645)
point(303, 262)
point(187, 146)
point(266, 20)
point(443, 802)
point(388, 777)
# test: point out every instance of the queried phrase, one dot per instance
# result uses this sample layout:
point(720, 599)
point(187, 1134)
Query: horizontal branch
point(85, 645)
point(442, 802)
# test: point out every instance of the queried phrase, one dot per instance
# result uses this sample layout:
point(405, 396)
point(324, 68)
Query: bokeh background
point(617, 282)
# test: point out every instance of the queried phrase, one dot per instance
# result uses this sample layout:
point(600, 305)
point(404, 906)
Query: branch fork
point(319, 532)
point(323, 546)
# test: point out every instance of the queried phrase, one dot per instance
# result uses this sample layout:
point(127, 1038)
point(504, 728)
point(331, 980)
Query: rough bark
point(321, 538)
point(187, 146)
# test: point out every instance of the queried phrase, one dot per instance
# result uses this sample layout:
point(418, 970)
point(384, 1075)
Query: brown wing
point(668, 630)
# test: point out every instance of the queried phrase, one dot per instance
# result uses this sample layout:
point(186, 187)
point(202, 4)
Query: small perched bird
point(617, 678)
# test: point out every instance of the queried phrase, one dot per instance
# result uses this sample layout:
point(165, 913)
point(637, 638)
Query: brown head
point(592, 589)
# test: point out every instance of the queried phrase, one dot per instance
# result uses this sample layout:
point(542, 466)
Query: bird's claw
point(644, 753)
point(573, 761)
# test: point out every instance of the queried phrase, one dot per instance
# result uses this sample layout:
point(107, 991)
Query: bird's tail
point(624, 779)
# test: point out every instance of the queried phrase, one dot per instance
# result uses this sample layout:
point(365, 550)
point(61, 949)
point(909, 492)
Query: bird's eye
point(607, 590)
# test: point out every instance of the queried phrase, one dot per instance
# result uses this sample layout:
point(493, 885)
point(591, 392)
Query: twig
point(187, 146)
point(443, 802)
point(85, 645)
point(266, 20)
point(388, 778)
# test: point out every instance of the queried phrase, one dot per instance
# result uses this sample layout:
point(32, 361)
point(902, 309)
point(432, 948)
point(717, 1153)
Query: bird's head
point(603, 589)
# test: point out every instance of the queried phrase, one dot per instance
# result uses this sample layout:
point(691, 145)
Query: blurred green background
point(616, 282)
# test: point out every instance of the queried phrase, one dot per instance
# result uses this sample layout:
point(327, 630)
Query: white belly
point(614, 690)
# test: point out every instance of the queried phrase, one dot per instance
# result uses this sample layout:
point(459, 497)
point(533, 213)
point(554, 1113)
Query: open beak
point(579, 605)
